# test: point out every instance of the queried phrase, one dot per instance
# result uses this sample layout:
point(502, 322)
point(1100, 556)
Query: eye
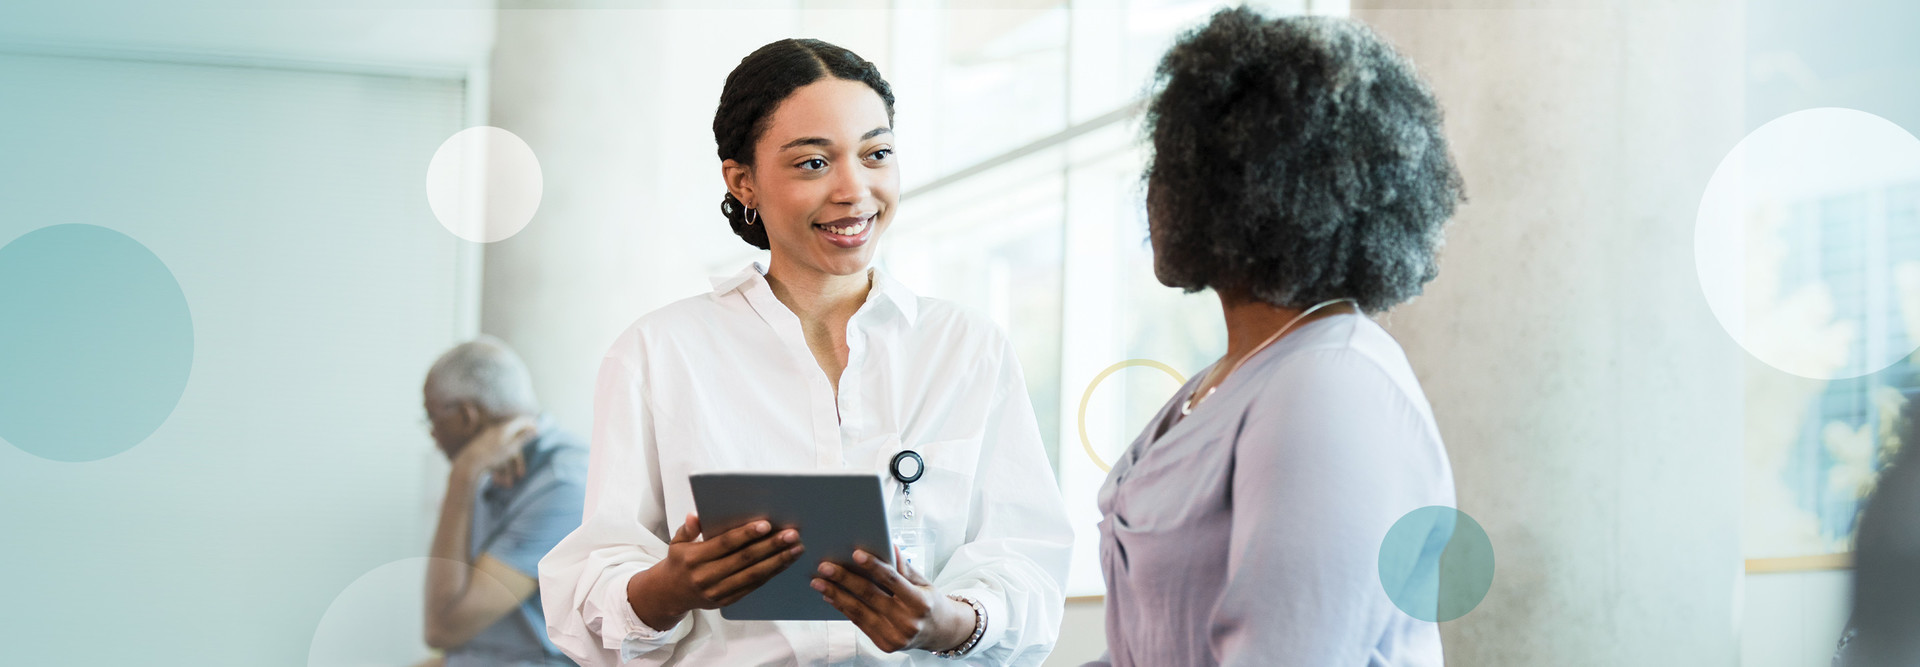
point(880, 155)
point(814, 164)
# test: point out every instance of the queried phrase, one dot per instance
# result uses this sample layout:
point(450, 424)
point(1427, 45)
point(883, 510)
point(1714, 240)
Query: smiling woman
point(818, 362)
point(826, 180)
point(772, 77)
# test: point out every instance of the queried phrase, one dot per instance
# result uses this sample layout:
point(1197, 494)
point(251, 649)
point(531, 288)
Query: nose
point(851, 186)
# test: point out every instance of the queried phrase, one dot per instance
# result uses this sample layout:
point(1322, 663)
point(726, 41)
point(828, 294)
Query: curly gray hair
point(1296, 160)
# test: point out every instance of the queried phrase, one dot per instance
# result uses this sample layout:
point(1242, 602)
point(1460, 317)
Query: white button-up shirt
point(725, 381)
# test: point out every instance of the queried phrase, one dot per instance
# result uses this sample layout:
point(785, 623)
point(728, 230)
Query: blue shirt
point(518, 525)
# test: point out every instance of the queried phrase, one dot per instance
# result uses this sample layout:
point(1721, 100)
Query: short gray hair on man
point(484, 372)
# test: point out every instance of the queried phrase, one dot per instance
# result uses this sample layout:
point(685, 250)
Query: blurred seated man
point(515, 490)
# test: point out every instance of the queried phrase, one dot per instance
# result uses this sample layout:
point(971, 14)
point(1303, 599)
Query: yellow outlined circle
point(1088, 395)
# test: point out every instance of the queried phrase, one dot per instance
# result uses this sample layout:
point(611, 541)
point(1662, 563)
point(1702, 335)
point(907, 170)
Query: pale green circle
point(1436, 563)
point(96, 344)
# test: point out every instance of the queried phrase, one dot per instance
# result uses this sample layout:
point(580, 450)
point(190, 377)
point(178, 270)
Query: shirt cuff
point(623, 631)
point(996, 617)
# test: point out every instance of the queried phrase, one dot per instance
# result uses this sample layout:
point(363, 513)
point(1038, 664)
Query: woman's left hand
point(894, 605)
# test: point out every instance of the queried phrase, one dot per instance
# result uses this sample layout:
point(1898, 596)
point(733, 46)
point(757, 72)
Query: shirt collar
point(754, 276)
point(903, 299)
point(724, 284)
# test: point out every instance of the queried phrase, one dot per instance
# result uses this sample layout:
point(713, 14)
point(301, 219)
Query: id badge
point(912, 543)
point(910, 533)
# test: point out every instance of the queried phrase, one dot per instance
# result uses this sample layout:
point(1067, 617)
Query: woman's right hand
point(710, 573)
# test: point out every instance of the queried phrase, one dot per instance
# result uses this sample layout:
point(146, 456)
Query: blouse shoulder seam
point(1342, 350)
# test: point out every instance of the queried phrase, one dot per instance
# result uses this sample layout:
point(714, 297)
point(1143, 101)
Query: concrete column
point(1590, 403)
point(575, 85)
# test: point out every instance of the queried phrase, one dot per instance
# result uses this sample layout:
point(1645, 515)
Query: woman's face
point(1157, 236)
point(823, 180)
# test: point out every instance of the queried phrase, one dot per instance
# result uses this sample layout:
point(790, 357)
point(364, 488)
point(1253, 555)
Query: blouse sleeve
point(623, 530)
point(1328, 456)
point(1014, 559)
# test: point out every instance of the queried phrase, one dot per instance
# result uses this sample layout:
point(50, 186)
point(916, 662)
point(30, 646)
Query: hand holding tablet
point(710, 573)
point(895, 605)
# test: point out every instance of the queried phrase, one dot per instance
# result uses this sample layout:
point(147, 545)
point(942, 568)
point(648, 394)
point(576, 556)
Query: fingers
point(510, 471)
point(859, 586)
point(503, 431)
point(907, 570)
point(884, 576)
point(721, 580)
point(523, 428)
point(714, 571)
point(759, 550)
point(689, 529)
point(886, 635)
point(750, 578)
point(855, 609)
point(732, 540)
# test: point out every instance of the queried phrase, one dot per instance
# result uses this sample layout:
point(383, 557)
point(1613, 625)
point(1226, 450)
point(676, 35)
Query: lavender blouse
point(1249, 532)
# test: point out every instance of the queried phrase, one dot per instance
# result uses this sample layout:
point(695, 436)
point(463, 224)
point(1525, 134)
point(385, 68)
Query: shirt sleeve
point(1328, 456)
point(541, 522)
point(623, 530)
point(1014, 558)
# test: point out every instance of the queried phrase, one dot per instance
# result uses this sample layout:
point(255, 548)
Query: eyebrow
point(821, 141)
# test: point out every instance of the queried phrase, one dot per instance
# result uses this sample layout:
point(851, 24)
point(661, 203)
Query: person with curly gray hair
point(1300, 171)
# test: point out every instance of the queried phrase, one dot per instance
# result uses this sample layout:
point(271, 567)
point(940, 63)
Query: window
point(1859, 251)
point(1023, 200)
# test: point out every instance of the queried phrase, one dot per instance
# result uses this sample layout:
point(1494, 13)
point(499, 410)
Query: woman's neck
point(814, 296)
point(1250, 322)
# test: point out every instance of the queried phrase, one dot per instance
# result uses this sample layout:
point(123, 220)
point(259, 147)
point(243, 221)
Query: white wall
point(1794, 619)
point(435, 37)
point(290, 207)
point(272, 155)
point(1083, 633)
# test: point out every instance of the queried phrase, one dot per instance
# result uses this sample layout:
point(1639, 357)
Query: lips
point(846, 232)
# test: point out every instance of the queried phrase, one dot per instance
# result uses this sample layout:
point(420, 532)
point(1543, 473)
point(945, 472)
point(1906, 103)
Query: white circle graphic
point(378, 619)
point(484, 184)
point(1807, 243)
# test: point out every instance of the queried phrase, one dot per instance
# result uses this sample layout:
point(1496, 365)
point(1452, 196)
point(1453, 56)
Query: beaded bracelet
point(979, 629)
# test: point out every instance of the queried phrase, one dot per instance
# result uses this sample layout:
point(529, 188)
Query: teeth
point(849, 230)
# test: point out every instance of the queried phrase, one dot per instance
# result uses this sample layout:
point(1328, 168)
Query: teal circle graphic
point(96, 343)
point(1436, 563)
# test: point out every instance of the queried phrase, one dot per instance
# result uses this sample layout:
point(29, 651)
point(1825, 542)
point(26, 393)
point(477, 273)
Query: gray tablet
point(835, 514)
